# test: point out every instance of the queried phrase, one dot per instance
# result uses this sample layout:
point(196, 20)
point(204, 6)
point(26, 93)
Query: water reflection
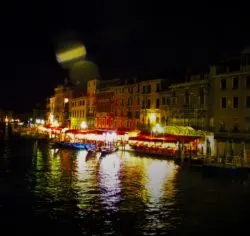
point(86, 184)
point(120, 194)
point(160, 174)
point(109, 181)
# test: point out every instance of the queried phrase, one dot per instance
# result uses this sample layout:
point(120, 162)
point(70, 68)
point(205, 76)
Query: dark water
point(44, 191)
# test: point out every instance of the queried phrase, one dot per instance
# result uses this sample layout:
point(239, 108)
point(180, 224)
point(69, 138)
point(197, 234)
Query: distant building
point(2, 116)
point(39, 112)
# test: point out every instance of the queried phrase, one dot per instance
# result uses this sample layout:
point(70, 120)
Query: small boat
point(79, 145)
point(108, 150)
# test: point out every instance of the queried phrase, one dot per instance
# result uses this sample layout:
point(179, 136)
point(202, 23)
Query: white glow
point(159, 172)
point(81, 161)
point(84, 125)
point(66, 100)
point(157, 129)
point(110, 181)
point(152, 117)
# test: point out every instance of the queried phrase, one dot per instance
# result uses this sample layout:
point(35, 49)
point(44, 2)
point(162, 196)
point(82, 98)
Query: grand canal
point(49, 191)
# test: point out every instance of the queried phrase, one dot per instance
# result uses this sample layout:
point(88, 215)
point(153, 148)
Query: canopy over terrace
point(185, 131)
point(77, 131)
point(165, 138)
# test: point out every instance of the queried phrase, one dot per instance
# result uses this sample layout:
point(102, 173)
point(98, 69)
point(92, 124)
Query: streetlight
point(84, 125)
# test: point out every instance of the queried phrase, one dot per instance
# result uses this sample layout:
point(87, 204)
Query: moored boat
point(107, 150)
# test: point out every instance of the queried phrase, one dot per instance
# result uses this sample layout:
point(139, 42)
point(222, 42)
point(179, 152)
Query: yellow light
point(72, 54)
point(6, 119)
point(152, 117)
point(66, 100)
point(158, 129)
point(51, 118)
point(160, 175)
point(55, 123)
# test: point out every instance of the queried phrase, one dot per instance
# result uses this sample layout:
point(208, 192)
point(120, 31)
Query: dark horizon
point(123, 42)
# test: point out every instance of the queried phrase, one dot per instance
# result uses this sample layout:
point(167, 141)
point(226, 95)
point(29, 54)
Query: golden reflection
point(133, 177)
point(39, 160)
point(54, 176)
point(81, 162)
point(160, 173)
point(86, 181)
point(109, 181)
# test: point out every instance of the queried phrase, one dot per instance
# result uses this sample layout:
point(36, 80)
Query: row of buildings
point(217, 101)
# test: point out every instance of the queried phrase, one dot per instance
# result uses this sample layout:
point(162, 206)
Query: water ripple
point(121, 194)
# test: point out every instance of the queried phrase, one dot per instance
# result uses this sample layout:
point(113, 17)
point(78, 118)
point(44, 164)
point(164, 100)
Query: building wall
point(150, 113)
point(105, 109)
point(127, 106)
point(92, 88)
point(61, 110)
point(231, 106)
point(77, 108)
point(186, 104)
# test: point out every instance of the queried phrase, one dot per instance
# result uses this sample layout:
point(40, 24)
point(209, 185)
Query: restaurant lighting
point(152, 117)
point(84, 125)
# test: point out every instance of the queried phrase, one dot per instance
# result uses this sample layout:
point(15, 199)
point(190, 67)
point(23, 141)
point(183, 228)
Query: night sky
point(123, 39)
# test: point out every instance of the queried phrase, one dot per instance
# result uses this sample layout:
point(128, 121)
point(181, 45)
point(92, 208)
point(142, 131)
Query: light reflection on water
point(119, 194)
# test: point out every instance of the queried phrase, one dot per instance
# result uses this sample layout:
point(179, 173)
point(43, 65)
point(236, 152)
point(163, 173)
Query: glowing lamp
point(152, 117)
point(84, 125)
point(66, 100)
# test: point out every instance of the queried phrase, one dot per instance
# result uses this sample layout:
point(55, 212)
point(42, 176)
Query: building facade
point(77, 108)
point(150, 94)
point(186, 104)
point(57, 107)
point(92, 87)
point(105, 109)
point(231, 102)
point(127, 105)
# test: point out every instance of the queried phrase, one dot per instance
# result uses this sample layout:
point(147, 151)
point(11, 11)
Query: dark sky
point(123, 39)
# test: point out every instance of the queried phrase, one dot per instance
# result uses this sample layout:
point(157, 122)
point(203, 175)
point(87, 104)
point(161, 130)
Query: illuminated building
point(77, 112)
point(186, 104)
point(92, 86)
point(150, 113)
point(58, 105)
point(127, 105)
point(230, 87)
point(105, 109)
point(50, 108)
